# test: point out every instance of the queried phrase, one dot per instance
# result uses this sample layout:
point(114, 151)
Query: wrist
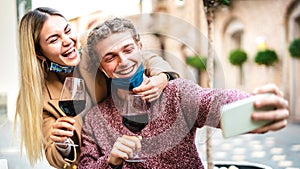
point(164, 76)
point(115, 164)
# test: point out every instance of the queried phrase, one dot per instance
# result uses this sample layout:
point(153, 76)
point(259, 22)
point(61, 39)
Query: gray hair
point(102, 31)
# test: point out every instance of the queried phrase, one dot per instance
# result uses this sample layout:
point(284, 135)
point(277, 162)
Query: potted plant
point(197, 62)
point(294, 48)
point(266, 57)
point(238, 57)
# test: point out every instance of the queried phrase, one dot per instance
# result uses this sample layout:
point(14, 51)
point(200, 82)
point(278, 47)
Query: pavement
point(278, 150)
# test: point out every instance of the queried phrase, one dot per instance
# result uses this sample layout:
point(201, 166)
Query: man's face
point(119, 55)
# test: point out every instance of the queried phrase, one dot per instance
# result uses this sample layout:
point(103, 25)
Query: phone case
point(236, 116)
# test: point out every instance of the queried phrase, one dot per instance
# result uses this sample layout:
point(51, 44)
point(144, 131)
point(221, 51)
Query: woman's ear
point(43, 58)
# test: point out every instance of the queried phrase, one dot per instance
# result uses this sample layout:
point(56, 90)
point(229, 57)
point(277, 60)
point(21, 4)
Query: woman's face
point(119, 55)
point(59, 42)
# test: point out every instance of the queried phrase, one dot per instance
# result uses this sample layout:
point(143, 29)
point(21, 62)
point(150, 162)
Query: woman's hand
point(123, 149)
point(280, 113)
point(152, 87)
point(62, 129)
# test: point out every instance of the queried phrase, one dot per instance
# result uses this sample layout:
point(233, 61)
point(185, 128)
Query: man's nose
point(122, 58)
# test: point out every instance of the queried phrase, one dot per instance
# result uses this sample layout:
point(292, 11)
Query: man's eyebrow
point(125, 46)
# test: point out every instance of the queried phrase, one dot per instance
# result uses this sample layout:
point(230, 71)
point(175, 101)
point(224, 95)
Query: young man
point(168, 139)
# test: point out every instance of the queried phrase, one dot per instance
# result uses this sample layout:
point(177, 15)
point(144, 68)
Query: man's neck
point(122, 93)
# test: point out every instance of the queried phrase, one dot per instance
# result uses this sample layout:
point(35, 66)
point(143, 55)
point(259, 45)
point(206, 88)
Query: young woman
point(168, 139)
point(49, 53)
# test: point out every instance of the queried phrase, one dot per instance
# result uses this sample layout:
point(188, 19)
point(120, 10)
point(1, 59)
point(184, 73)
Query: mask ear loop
point(45, 65)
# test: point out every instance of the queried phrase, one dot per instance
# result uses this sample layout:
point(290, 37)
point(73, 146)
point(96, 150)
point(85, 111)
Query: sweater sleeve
point(202, 105)
point(91, 155)
point(154, 65)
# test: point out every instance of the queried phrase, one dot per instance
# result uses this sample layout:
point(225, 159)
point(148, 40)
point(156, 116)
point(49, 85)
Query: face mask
point(130, 82)
point(54, 67)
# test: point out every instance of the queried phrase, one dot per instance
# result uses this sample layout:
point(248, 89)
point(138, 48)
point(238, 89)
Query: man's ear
point(140, 44)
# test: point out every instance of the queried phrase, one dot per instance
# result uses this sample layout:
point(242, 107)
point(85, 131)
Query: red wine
point(72, 107)
point(135, 123)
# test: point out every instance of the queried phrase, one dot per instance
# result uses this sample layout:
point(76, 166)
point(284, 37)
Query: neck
point(62, 76)
point(122, 93)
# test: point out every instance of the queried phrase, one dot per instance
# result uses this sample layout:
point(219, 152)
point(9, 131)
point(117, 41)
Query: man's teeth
point(127, 71)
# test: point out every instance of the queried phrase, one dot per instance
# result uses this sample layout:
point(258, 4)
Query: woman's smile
point(71, 53)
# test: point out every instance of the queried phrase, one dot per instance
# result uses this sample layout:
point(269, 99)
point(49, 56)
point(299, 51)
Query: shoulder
point(182, 84)
point(98, 109)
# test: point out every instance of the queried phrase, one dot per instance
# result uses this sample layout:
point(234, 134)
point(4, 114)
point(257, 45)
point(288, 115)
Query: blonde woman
point(48, 49)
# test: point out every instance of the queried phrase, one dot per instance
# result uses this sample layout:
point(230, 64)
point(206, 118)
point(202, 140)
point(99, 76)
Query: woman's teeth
point(68, 52)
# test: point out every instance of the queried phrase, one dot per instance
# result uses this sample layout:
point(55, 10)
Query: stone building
point(176, 29)
point(250, 25)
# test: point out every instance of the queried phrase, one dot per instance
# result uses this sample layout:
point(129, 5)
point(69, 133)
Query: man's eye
point(128, 50)
point(109, 58)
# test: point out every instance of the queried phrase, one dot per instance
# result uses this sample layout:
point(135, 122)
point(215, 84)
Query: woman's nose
point(67, 40)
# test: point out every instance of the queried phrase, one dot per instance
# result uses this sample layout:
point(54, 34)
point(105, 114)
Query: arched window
point(234, 34)
point(233, 39)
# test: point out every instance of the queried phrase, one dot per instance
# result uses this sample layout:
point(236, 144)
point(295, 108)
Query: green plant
point(294, 48)
point(237, 57)
point(266, 57)
point(196, 62)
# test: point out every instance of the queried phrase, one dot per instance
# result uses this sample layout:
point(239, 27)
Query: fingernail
point(140, 137)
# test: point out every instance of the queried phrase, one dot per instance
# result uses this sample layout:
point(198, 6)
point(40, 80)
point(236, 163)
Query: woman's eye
point(53, 40)
point(68, 31)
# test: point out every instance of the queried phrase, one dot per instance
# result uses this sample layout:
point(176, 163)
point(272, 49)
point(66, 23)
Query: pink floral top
point(168, 139)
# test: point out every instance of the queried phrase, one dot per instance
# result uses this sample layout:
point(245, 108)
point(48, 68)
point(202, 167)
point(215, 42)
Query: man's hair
point(102, 31)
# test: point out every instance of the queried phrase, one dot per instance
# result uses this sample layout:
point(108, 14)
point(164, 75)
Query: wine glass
point(135, 118)
point(72, 100)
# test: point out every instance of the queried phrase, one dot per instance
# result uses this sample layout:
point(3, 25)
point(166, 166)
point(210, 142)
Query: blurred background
point(254, 42)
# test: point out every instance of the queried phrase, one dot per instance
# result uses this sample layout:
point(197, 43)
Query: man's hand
point(152, 87)
point(279, 115)
point(123, 149)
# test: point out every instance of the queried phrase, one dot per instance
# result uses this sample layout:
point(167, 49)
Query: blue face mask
point(130, 82)
point(54, 67)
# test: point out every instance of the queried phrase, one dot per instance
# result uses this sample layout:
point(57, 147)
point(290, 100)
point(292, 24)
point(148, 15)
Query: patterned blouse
point(169, 138)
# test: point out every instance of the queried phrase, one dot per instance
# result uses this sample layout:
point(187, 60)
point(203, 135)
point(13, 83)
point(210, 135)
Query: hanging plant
point(266, 57)
point(237, 57)
point(294, 48)
point(197, 62)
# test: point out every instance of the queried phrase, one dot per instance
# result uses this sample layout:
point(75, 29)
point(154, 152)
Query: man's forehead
point(113, 41)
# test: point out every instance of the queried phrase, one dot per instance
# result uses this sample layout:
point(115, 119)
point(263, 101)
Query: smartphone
point(236, 116)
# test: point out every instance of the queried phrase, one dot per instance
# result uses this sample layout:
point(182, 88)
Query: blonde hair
point(32, 79)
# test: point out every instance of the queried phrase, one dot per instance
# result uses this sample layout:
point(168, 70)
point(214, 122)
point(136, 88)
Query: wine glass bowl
point(135, 118)
point(72, 100)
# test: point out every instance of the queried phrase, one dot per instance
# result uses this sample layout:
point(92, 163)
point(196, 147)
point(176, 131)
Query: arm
point(154, 65)
point(53, 155)
point(91, 155)
point(159, 72)
point(201, 106)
